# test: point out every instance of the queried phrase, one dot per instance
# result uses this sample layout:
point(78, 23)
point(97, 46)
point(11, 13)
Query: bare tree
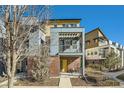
point(19, 22)
point(40, 69)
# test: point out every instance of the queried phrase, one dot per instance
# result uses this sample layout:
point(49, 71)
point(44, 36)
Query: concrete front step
point(65, 83)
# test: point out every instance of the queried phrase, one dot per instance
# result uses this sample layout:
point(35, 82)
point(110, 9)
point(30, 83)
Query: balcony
point(70, 42)
point(66, 41)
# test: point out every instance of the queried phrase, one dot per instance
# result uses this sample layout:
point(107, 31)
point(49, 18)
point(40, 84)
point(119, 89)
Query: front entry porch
point(69, 64)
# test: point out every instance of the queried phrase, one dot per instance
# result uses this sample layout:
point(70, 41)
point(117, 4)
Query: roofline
point(99, 30)
point(93, 30)
point(65, 19)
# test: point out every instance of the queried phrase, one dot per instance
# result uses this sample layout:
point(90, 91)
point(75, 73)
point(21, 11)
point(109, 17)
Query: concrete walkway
point(65, 82)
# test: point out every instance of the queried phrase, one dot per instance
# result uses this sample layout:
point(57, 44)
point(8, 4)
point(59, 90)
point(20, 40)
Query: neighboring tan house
point(98, 46)
point(93, 41)
point(66, 46)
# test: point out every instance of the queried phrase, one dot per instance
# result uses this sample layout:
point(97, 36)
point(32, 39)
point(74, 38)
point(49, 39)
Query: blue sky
point(110, 19)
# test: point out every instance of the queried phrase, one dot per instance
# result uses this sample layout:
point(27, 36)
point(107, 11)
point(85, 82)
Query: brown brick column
point(54, 66)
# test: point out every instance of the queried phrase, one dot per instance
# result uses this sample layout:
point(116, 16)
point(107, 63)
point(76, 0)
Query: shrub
point(109, 82)
point(95, 66)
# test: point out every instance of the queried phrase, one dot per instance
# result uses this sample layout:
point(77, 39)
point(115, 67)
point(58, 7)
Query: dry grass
point(81, 82)
point(2, 79)
point(50, 82)
point(108, 82)
point(78, 82)
point(96, 77)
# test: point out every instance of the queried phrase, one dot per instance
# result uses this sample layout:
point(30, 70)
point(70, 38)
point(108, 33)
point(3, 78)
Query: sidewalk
point(65, 82)
point(4, 83)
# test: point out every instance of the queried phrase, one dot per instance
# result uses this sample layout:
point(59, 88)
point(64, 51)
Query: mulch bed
point(50, 82)
point(78, 82)
point(81, 82)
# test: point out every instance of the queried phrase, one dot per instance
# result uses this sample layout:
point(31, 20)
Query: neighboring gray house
point(2, 55)
point(36, 39)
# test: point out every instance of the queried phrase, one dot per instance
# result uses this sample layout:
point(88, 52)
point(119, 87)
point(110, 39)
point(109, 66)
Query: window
point(42, 41)
point(88, 43)
point(88, 53)
point(55, 25)
point(34, 29)
point(95, 53)
point(67, 43)
point(61, 42)
point(65, 25)
point(91, 53)
point(74, 41)
point(95, 41)
point(73, 25)
point(74, 44)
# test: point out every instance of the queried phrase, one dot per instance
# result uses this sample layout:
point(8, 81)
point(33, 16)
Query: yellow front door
point(64, 65)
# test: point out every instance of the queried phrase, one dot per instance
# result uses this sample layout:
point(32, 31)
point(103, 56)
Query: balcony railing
point(69, 49)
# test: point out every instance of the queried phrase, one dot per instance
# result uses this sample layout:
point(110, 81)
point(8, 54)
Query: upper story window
point(61, 42)
point(88, 42)
point(95, 52)
point(88, 53)
point(73, 25)
point(101, 40)
point(74, 44)
point(65, 25)
point(91, 53)
point(34, 29)
point(95, 40)
point(55, 25)
point(42, 42)
point(69, 25)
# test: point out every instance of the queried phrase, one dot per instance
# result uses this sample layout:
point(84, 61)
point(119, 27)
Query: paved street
point(114, 75)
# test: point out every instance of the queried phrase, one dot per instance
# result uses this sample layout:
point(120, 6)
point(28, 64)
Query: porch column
point(83, 54)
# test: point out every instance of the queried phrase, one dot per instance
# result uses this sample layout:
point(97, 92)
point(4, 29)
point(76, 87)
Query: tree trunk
point(10, 81)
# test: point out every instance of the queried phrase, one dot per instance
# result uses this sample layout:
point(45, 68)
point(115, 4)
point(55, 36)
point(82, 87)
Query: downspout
point(83, 58)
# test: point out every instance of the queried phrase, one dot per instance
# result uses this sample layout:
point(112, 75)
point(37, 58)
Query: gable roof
point(99, 31)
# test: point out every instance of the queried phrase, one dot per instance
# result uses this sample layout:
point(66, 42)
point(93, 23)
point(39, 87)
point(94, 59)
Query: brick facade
point(54, 66)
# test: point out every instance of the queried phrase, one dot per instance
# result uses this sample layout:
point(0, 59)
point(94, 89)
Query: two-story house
point(66, 46)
